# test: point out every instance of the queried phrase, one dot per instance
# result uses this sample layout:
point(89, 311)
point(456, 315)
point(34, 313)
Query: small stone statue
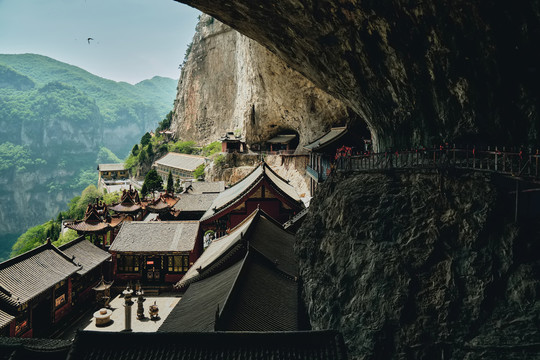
point(154, 311)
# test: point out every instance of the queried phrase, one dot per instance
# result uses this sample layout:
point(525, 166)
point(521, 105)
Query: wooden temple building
point(155, 251)
point(263, 189)
point(42, 286)
point(161, 205)
point(98, 224)
point(130, 205)
point(245, 281)
point(322, 152)
point(95, 265)
point(283, 142)
point(232, 143)
point(112, 172)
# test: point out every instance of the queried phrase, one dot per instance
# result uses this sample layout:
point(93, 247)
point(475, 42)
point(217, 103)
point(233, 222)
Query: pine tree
point(170, 183)
point(153, 181)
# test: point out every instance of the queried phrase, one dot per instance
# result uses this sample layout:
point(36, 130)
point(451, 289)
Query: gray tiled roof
point(111, 167)
point(5, 319)
point(282, 139)
point(200, 187)
point(32, 348)
point(252, 296)
point(305, 345)
point(235, 192)
point(181, 161)
point(196, 311)
point(84, 253)
point(263, 299)
point(329, 137)
point(195, 202)
point(28, 275)
point(152, 237)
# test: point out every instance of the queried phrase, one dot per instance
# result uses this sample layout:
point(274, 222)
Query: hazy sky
point(133, 39)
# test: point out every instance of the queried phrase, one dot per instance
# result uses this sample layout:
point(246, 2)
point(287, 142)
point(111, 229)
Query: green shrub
point(199, 172)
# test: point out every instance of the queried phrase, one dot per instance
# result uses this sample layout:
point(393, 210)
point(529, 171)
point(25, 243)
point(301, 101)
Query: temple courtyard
point(165, 304)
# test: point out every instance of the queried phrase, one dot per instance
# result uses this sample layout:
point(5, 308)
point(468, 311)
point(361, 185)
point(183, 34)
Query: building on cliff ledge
point(232, 143)
point(284, 143)
point(181, 166)
point(263, 189)
point(323, 150)
point(112, 172)
point(155, 252)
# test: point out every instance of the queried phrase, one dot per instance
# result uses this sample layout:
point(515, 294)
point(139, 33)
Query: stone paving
point(165, 304)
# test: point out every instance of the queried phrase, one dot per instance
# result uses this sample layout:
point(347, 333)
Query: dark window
point(178, 263)
point(128, 263)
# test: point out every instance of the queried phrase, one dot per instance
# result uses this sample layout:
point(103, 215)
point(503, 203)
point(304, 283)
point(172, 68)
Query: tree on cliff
point(145, 140)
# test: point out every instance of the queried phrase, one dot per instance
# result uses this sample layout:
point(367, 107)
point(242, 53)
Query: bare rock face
point(231, 83)
point(422, 266)
point(416, 72)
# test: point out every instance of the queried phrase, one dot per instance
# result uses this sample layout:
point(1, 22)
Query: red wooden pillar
point(69, 289)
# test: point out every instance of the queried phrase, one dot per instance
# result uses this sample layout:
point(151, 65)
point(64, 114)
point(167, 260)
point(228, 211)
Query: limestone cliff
point(230, 82)
point(422, 266)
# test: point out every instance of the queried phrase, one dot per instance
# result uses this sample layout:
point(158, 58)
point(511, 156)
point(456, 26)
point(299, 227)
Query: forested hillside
point(57, 122)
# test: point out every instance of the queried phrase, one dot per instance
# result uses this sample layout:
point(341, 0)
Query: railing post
point(517, 201)
point(536, 170)
point(496, 157)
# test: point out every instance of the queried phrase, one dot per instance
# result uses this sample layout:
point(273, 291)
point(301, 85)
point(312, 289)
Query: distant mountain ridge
point(42, 70)
point(54, 120)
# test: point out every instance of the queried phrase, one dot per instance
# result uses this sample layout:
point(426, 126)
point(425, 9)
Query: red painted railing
point(516, 163)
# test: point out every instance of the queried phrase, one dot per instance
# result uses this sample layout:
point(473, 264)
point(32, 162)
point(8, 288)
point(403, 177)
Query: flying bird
point(89, 40)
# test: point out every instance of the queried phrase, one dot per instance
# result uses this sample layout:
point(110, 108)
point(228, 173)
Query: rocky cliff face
point(422, 266)
point(416, 72)
point(230, 82)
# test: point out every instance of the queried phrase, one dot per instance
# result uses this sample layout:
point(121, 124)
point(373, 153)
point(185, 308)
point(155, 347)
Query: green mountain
point(57, 122)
